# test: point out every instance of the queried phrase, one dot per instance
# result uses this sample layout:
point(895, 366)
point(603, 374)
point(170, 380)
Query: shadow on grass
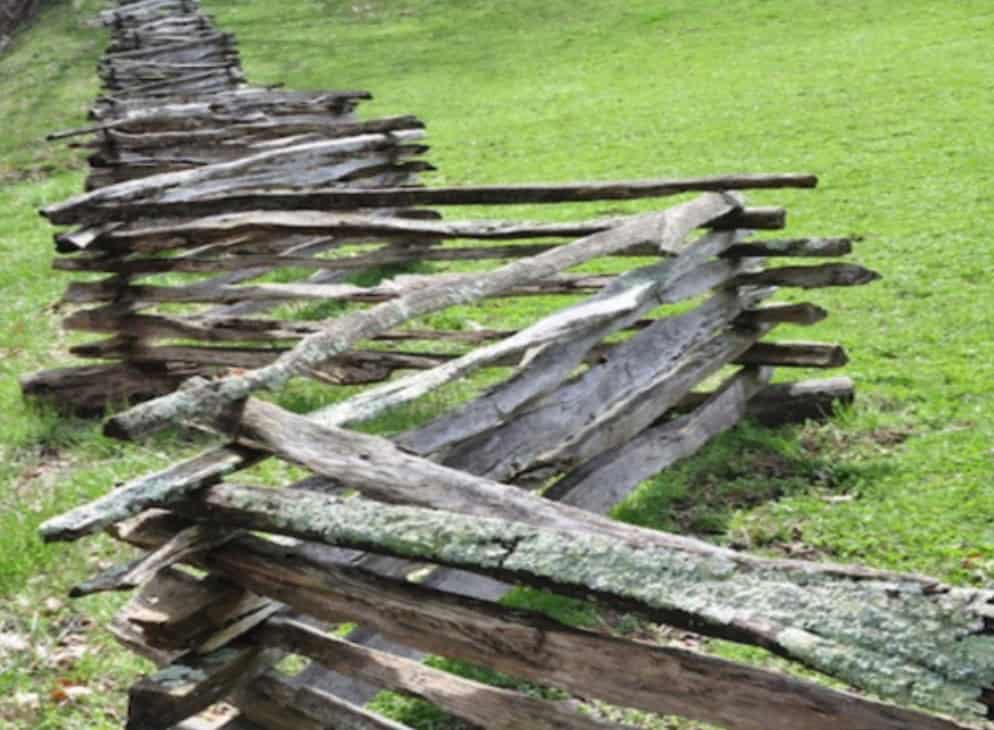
point(747, 468)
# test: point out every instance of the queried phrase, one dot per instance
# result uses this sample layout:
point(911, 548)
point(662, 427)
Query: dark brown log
point(90, 390)
point(803, 313)
point(795, 354)
point(801, 401)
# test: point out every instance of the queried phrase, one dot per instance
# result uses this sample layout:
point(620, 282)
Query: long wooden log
point(480, 704)
point(137, 238)
point(150, 236)
point(855, 628)
point(524, 644)
point(111, 290)
point(795, 247)
point(667, 229)
point(795, 354)
point(181, 192)
point(254, 131)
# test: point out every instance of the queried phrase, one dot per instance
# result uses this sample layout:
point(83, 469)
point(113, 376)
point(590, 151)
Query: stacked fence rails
point(417, 537)
point(175, 109)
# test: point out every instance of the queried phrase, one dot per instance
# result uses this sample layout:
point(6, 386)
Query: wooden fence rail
point(249, 238)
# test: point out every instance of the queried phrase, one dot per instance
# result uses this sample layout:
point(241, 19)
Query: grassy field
point(887, 102)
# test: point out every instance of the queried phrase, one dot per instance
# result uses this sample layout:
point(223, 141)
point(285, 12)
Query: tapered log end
point(58, 529)
point(115, 428)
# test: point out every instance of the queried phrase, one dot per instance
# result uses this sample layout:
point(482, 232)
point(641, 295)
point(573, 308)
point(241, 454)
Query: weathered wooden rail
point(647, 339)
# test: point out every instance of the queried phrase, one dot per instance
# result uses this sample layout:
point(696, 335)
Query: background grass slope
point(888, 102)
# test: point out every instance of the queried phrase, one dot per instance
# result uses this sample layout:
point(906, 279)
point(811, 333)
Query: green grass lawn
point(888, 102)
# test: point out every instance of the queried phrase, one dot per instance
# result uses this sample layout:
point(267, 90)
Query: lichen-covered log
point(864, 630)
point(672, 680)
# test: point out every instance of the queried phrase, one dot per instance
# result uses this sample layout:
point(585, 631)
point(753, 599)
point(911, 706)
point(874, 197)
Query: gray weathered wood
point(579, 327)
point(667, 229)
point(515, 444)
point(608, 478)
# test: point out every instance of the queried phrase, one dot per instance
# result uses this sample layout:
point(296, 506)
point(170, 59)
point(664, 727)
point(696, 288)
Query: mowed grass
point(887, 102)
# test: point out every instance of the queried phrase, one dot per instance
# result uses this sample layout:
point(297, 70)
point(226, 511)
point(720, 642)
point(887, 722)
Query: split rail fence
point(417, 537)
